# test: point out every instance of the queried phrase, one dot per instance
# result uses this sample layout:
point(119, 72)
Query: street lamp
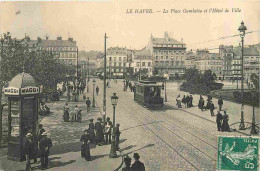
point(114, 100)
point(94, 82)
point(242, 28)
point(165, 94)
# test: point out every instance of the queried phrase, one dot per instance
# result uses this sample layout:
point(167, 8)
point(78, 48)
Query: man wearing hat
point(99, 132)
point(137, 165)
point(127, 161)
point(28, 147)
point(88, 103)
point(108, 127)
point(45, 145)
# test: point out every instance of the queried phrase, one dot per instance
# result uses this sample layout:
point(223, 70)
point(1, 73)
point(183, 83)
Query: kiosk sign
point(11, 91)
point(29, 90)
point(238, 153)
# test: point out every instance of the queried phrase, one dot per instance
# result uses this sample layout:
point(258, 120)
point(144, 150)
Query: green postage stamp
point(238, 153)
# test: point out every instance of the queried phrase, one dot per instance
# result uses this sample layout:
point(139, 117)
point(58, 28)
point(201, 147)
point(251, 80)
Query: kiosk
point(23, 103)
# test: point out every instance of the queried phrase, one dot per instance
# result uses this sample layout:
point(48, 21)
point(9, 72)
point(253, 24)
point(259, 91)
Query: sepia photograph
point(129, 85)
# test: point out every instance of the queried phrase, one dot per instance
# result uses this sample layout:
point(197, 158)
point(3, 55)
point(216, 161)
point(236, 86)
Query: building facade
point(226, 53)
point(168, 55)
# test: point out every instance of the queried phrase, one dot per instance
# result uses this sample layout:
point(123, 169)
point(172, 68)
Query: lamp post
point(165, 94)
point(242, 28)
point(94, 82)
point(112, 153)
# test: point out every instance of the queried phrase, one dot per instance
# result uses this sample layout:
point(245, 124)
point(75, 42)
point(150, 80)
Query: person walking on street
point(212, 107)
point(183, 100)
point(28, 146)
point(97, 90)
point(137, 165)
point(225, 125)
point(66, 115)
point(178, 100)
point(45, 145)
point(99, 132)
point(201, 103)
point(220, 103)
point(191, 99)
point(108, 127)
point(88, 103)
point(219, 120)
point(91, 130)
point(117, 135)
point(188, 101)
point(127, 161)
point(40, 131)
point(85, 149)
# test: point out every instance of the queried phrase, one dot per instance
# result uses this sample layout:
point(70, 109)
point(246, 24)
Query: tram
point(148, 94)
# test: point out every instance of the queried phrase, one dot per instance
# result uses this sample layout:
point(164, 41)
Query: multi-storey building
point(142, 61)
point(65, 50)
point(117, 61)
point(226, 53)
point(168, 55)
point(190, 60)
point(212, 62)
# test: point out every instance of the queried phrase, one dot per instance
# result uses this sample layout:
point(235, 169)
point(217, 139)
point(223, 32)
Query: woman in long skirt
point(225, 125)
point(85, 150)
point(91, 131)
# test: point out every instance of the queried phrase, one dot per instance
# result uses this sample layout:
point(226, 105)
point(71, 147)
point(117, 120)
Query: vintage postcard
point(131, 85)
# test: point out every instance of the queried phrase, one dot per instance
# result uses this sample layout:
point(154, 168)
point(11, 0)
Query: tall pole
point(242, 124)
point(1, 87)
point(165, 95)
point(93, 104)
point(105, 77)
point(112, 153)
point(140, 70)
point(77, 76)
point(88, 77)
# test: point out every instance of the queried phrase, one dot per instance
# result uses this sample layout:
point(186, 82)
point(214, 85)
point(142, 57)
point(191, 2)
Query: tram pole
point(105, 77)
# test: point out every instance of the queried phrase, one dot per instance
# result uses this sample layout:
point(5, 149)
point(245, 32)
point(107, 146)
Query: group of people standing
point(222, 122)
point(37, 146)
point(127, 84)
point(186, 101)
point(136, 166)
point(71, 116)
point(98, 134)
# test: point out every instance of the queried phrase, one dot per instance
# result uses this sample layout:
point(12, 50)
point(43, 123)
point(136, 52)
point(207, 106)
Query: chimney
point(166, 36)
point(39, 39)
point(70, 39)
point(47, 37)
point(59, 38)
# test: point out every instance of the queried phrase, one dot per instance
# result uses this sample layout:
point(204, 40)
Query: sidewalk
point(66, 151)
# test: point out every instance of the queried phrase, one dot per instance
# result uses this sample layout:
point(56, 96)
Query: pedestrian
point(183, 100)
point(191, 99)
point(88, 103)
point(91, 129)
point(85, 150)
point(99, 132)
point(201, 103)
point(117, 135)
point(188, 101)
point(219, 120)
point(39, 136)
point(84, 97)
point(208, 103)
point(108, 127)
point(225, 125)
point(66, 113)
point(178, 99)
point(212, 107)
point(28, 147)
point(127, 161)
point(97, 90)
point(79, 118)
point(137, 165)
point(220, 103)
point(45, 145)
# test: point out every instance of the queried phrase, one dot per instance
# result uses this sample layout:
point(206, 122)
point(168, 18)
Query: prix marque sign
point(22, 91)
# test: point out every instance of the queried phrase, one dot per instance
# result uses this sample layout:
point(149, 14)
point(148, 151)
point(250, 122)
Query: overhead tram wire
point(225, 37)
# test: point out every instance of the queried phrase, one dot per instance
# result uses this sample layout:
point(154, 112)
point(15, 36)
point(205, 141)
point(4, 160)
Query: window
point(149, 63)
point(120, 64)
point(110, 58)
point(143, 63)
point(114, 58)
point(157, 58)
point(114, 63)
point(120, 58)
point(167, 57)
point(162, 57)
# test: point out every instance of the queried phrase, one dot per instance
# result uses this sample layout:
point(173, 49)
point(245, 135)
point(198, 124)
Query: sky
point(88, 21)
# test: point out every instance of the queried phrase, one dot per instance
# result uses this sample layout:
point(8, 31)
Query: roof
point(142, 54)
point(22, 80)
point(57, 43)
point(166, 41)
point(248, 51)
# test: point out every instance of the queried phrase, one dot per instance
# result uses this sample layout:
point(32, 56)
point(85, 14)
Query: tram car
point(148, 94)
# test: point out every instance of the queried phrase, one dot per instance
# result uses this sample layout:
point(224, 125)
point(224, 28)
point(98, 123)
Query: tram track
point(193, 164)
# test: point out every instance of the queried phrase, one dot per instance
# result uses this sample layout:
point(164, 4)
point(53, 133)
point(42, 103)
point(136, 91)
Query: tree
point(208, 77)
point(192, 75)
